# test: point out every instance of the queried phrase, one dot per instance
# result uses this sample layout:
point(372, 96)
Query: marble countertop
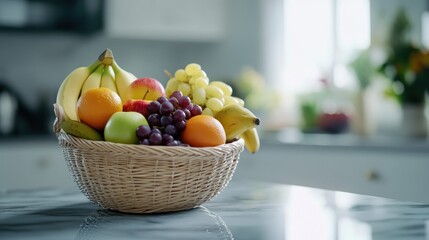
point(244, 210)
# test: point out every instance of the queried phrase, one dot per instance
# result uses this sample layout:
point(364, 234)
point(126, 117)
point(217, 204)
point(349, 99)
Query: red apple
point(140, 87)
point(137, 105)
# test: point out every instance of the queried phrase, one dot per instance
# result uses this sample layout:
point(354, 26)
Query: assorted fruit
point(103, 102)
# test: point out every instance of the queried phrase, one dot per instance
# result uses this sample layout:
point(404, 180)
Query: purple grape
point(153, 120)
point(196, 110)
point(176, 94)
point(170, 129)
point(155, 139)
point(166, 108)
point(180, 125)
point(172, 143)
point(187, 113)
point(179, 115)
point(162, 99)
point(185, 145)
point(166, 138)
point(153, 107)
point(155, 131)
point(145, 141)
point(166, 120)
point(184, 101)
point(143, 131)
point(174, 101)
point(190, 106)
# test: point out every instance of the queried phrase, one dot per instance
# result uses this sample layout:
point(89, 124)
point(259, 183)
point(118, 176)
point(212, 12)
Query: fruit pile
point(103, 102)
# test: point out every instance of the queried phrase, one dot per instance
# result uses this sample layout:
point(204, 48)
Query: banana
point(236, 119)
point(94, 80)
point(108, 79)
point(81, 130)
point(70, 89)
point(251, 140)
point(123, 79)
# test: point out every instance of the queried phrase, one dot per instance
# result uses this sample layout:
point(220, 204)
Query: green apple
point(122, 126)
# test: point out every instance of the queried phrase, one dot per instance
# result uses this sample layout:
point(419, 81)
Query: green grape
point(201, 73)
point(201, 82)
point(222, 100)
point(192, 80)
point(184, 88)
point(229, 100)
point(199, 96)
point(181, 75)
point(227, 90)
point(172, 85)
point(214, 91)
point(208, 111)
point(192, 69)
point(239, 101)
point(215, 104)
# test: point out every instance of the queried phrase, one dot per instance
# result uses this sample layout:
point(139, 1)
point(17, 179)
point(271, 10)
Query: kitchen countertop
point(244, 210)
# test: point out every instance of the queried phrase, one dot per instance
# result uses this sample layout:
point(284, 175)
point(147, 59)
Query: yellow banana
point(81, 130)
point(94, 80)
point(108, 79)
point(236, 119)
point(70, 89)
point(251, 140)
point(123, 79)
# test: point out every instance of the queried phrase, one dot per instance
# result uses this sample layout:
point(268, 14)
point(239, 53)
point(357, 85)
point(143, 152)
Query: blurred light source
point(425, 29)
point(321, 37)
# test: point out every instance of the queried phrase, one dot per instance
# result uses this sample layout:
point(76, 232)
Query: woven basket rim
point(91, 145)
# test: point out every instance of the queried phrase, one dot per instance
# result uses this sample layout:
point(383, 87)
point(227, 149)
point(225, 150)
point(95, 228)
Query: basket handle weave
point(60, 117)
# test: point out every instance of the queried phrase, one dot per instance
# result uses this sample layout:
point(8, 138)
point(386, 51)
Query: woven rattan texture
point(147, 179)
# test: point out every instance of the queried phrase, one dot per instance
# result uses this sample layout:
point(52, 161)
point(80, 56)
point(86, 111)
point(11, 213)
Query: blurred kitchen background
point(331, 69)
point(310, 65)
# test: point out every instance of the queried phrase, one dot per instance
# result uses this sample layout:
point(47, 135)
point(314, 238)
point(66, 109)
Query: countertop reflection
point(244, 210)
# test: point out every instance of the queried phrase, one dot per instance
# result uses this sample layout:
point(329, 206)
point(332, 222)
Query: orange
point(96, 106)
point(203, 131)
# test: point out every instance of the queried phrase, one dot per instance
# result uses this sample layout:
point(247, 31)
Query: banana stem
point(106, 57)
point(115, 66)
point(94, 66)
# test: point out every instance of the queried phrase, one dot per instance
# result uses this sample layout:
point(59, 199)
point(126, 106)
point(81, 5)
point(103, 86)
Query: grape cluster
point(167, 120)
point(193, 82)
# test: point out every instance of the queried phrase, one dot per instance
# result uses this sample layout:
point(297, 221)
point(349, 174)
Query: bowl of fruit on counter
point(134, 145)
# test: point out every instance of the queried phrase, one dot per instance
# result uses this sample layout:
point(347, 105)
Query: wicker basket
point(147, 179)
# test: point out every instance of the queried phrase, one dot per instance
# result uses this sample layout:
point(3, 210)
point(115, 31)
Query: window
point(321, 36)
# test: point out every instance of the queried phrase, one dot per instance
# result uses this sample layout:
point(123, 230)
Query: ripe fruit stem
point(144, 96)
point(94, 66)
point(168, 74)
point(106, 57)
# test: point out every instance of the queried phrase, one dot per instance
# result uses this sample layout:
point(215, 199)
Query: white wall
point(36, 63)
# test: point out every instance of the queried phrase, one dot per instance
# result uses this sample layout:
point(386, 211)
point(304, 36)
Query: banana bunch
point(104, 72)
point(240, 122)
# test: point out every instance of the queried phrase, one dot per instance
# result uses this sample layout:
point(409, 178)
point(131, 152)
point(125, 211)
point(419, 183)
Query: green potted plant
point(407, 66)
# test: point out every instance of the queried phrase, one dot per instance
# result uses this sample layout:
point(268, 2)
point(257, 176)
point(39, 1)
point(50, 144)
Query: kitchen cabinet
point(35, 163)
point(391, 171)
point(187, 20)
